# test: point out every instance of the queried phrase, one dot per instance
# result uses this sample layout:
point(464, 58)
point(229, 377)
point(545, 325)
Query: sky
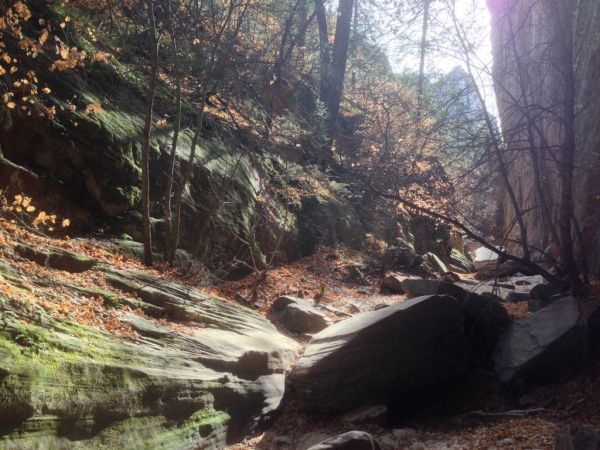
point(441, 56)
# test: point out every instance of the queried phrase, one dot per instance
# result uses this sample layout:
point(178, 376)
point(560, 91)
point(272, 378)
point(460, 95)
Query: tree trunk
point(173, 155)
point(422, 51)
point(334, 83)
point(324, 53)
point(147, 234)
point(567, 156)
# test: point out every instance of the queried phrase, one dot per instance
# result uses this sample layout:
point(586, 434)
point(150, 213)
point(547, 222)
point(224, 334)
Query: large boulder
point(298, 315)
point(542, 346)
point(578, 438)
point(352, 440)
point(485, 319)
point(199, 383)
point(377, 356)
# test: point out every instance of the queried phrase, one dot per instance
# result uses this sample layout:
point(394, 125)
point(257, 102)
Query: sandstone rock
point(485, 318)
point(352, 440)
point(542, 346)
point(168, 389)
point(57, 258)
point(298, 315)
point(199, 390)
point(147, 327)
point(458, 259)
point(578, 438)
point(433, 261)
point(376, 356)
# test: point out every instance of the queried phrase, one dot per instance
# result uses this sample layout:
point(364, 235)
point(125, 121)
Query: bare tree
point(154, 43)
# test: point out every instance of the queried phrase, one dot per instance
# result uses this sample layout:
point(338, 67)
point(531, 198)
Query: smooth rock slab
point(542, 346)
point(68, 386)
point(376, 356)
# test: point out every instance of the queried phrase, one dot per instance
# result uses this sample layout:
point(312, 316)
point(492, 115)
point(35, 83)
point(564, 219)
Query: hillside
point(242, 224)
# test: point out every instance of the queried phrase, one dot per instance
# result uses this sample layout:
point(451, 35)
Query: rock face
point(527, 39)
point(88, 167)
point(352, 440)
point(298, 315)
point(63, 385)
point(578, 438)
point(376, 356)
point(542, 346)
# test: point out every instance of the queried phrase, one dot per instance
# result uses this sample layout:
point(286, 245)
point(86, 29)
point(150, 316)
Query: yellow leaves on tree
point(93, 108)
point(23, 208)
point(69, 58)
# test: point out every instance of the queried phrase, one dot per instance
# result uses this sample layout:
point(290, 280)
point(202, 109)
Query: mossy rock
point(67, 386)
point(57, 258)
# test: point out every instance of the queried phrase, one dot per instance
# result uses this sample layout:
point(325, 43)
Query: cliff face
point(529, 39)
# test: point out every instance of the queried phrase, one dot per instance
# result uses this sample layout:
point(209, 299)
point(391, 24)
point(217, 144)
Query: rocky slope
point(244, 200)
point(106, 357)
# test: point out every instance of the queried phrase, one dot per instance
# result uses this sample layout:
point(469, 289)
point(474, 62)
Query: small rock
point(371, 415)
point(393, 282)
point(544, 292)
point(404, 433)
point(353, 307)
point(282, 441)
point(352, 440)
point(298, 315)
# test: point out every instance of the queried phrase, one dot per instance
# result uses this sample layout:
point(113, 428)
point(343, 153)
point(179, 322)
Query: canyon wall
point(530, 39)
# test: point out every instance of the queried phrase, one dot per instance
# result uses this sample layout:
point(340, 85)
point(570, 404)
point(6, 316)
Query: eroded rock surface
point(65, 385)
